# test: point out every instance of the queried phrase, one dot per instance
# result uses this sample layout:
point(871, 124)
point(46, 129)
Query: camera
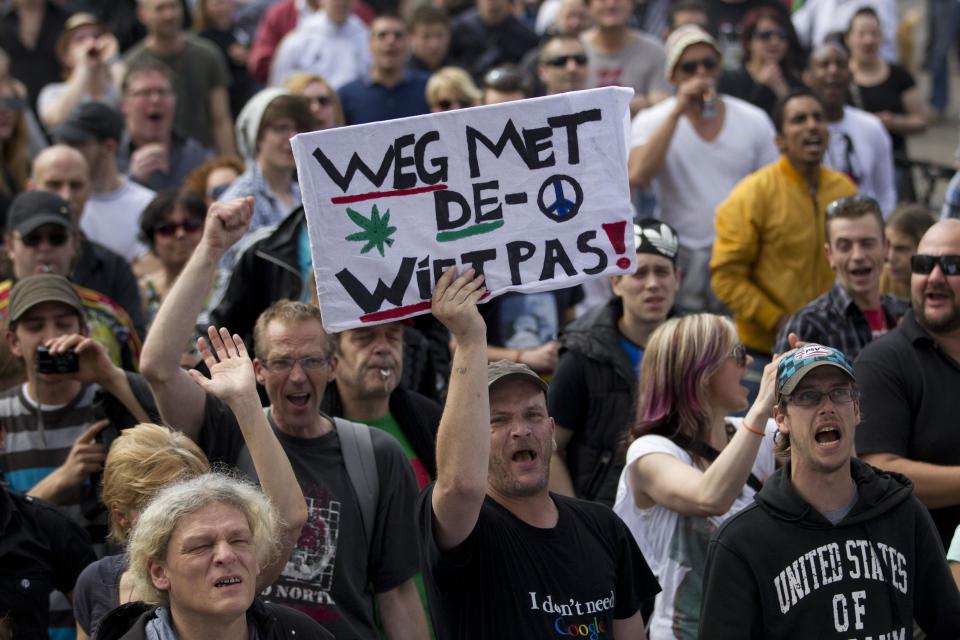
point(65, 362)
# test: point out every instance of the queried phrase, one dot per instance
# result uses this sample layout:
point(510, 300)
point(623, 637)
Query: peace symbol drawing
point(560, 198)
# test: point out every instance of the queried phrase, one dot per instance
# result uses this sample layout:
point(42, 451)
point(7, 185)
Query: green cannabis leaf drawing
point(375, 230)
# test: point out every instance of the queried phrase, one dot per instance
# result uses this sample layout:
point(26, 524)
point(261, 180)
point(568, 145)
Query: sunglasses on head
point(923, 264)
point(691, 66)
point(767, 35)
point(52, 238)
point(837, 206)
point(561, 61)
point(167, 229)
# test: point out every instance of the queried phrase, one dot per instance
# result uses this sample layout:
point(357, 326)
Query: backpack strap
point(356, 446)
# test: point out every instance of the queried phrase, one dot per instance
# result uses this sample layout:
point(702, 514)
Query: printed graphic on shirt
point(307, 577)
point(835, 564)
point(528, 321)
point(577, 619)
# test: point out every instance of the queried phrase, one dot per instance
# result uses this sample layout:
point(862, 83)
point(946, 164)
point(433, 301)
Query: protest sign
point(533, 194)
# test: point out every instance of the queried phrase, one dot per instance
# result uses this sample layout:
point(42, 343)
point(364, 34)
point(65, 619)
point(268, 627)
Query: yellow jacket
point(768, 259)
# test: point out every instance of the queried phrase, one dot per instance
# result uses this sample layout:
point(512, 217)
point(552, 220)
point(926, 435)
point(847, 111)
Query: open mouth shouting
point(228, 581)
point(299, 400)
point(827, 436)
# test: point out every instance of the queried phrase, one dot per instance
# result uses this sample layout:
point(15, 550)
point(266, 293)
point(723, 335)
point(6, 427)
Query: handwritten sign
point(533, 194)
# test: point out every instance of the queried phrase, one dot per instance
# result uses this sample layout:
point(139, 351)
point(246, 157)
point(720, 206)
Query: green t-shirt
point(389, 424)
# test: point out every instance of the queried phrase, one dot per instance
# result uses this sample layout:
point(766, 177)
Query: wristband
point(751, 429)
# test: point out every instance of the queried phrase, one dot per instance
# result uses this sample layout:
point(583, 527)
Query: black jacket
point(606, 388)
point(417, 415)
point(779, 569)
point(273, 622)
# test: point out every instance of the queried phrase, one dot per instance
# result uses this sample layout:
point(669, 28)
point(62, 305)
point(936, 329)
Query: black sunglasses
point(54, 239)
point(12, 104)
point(561, 61)
point(690, 66)
point(767, 35)
point(447, 105)
point(923, 264)
point(189, 225)
point(739, 355)
point(323, 101)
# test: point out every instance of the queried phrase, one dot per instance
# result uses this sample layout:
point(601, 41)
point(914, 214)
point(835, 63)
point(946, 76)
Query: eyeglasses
point(12, 104)
point(923, 264)
point(561, 61)
point(168, 229)
point(54, 239)
point(739, 355)
point(837, 206)
point(772, 33)
point(308, 363)
point(690, 66)
point(447, 105)
point(150, 93)
point(812, 397)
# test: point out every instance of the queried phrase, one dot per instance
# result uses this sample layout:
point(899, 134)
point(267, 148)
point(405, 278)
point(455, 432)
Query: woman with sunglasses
point(690, 467)
point(171, 225)
point(770, 60)
point(324, 101)
point(451, 88)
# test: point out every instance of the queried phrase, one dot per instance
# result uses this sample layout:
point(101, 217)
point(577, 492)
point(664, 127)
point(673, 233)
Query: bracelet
point(751, 429)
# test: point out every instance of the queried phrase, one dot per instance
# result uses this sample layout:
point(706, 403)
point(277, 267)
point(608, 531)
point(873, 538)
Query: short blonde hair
point(285, 312)
point(298, 81)
point(142, 461)
point(455, 80)
point(150, 538)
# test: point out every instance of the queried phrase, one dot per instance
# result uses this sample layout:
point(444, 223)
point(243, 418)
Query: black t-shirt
point(41, 550)
point(910, 404)
point(509, 579)
point(527, 320)
point(886, 96)
point(98, 591)
point(330, 573)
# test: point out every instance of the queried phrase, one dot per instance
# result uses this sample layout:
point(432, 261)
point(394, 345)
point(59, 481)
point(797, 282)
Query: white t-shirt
point(698, 174)
point(113, 218)
point(817, 19)
point(861, 148)
point(674, 545)
point(339, 53)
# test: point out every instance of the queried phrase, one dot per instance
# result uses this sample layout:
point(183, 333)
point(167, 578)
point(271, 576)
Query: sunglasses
point(739, 355)
point(447, 105)
point(923, 264)
point(168, 229)
point(768, 35)
point(216, 191)
point(561, 61)
point(12, 104)
point(690, 66)
point(323, 101)
point(54, 239)
point(837, 206)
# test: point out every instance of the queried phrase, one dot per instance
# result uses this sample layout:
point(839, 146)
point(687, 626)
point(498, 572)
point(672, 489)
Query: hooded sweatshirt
point(779, 569)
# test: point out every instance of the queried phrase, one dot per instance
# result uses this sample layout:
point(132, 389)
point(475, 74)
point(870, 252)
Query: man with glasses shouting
point(911, 383)
point(832, 548)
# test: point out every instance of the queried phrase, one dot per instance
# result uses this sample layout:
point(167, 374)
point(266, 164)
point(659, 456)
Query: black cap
point(32, 209)
point(90, 121)
point(656, 237)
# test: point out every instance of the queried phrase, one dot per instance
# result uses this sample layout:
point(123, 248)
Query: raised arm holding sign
point(531, 194)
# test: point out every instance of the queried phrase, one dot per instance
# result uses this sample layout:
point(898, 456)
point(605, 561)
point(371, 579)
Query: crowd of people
point(749, 436)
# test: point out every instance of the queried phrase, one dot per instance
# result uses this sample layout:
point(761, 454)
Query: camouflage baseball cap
point(801, 361)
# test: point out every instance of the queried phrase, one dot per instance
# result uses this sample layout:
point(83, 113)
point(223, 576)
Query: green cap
point(501, 369)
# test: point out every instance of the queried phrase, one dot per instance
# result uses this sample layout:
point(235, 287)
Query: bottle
point(710, 108)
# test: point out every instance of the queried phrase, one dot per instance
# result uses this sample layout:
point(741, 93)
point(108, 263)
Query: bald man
point(64, 171)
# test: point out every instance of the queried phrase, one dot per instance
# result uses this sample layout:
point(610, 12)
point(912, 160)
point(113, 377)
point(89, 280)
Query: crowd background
point(123, 122)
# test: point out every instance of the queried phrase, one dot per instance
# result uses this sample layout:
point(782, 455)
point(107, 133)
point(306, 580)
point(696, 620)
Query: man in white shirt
point(698, 145)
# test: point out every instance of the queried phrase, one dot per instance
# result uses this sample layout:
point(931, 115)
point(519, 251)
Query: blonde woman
point(451, 88)
point(324, 101)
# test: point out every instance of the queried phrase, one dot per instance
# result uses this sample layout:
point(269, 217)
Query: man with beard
point(910, 379)
point(501, 552)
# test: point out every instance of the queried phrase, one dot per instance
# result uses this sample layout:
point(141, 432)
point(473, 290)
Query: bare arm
point(631, 627)
point(689, 491)
point(180, 400)
point(463, 441)
point(560, 481)
point(92, 75)
point(220, 121)
point(935, 485)
point(914, 120)
point(233, 381)
point(402, 613)
point(542, 359)
point(955, 572)
point(86, 456)
point(81, 634)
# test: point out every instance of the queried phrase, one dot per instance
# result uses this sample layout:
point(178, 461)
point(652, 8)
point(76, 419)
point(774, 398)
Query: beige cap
point(500, 369)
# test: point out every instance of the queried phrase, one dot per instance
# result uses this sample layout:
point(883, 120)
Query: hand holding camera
point(76, 357)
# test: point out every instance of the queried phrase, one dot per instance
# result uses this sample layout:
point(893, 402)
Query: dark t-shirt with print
point(527, 320)
point(509, 579)
point(330, 569)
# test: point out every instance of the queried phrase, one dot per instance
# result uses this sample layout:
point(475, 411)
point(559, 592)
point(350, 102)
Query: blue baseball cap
point(801, 361)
